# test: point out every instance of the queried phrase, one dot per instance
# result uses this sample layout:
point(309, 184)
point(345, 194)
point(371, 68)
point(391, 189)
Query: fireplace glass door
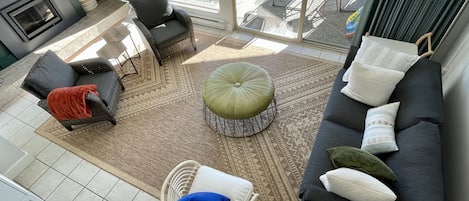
point(31, 18)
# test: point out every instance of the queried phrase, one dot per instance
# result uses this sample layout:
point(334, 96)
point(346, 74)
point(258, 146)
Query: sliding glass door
point(321, 21)
point(275, 17)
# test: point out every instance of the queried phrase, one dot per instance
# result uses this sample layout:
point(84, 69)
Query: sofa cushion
point(356, 185)
point(418, 163)
point(319, 193)
point(330, 134)
point(41, 78)
point(344, 110)
point(420, 94)
point(379, 136)
point(370, 84)
point(351, 157)
point(374, 53)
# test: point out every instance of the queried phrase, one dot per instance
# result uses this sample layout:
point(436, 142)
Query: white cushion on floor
point(208, 179)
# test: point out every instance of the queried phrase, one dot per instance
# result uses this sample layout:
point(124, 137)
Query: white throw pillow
point(208, 179)
point(373, 53)
point(379, 134)
point(356, 186)
point(370, 84)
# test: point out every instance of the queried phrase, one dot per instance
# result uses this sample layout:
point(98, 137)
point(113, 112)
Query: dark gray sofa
point(417, 164)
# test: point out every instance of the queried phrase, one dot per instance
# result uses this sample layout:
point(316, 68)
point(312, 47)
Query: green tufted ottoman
point(239, 99)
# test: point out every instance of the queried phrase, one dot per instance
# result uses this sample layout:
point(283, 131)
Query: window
point(212, 4)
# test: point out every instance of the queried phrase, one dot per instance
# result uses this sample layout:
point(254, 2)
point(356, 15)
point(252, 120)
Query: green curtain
point(407, 20)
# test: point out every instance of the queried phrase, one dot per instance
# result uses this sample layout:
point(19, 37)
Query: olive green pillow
point(355, 158)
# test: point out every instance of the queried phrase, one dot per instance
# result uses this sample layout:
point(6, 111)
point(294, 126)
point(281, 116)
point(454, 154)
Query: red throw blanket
point(67, 103)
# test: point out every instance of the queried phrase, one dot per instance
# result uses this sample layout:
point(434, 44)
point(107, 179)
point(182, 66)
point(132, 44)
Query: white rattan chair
point(179, 181)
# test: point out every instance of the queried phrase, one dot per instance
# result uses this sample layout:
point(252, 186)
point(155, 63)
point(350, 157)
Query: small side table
point(114, 51)
point(118, 34)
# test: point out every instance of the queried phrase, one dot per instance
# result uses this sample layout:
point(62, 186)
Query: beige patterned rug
point(160, 121)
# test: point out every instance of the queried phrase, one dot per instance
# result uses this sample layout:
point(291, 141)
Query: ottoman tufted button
point(237, 84)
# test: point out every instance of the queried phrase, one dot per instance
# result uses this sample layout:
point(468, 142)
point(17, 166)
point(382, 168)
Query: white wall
point(456, 128)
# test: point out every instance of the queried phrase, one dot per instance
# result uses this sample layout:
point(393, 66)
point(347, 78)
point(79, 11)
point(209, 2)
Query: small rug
point(160, 121)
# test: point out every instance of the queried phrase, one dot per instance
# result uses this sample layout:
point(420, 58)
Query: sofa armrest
point(91, 66)
point(314, 193)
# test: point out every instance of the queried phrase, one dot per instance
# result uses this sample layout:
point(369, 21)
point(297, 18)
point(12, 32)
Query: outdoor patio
point(324, 21)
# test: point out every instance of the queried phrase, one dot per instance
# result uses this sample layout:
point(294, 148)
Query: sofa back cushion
point(49, 72)
point(420, 94)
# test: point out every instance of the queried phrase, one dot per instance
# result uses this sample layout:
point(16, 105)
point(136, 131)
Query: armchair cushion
point(173, 32)
point(152, 13)
point(105, 82)
point(41, 78)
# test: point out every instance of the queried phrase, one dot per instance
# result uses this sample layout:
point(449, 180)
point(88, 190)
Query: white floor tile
point(66, 163)
point(23, 136)
point(268, 44)
point(47, 183)
point(50, 154)
point(122, 191)
point(102, 183)
point(66, 191)
point(16, 106)
point(84, 172)
point(31, 98)
point(143, 196)
point(342, 59)
point(31, 173)
point(40, 119)
point(36, 145)
point(330, 56)
point(294, 48)
point(87, 195)
point(242, 36)
point(30, 113)
point(11, 128)
point(311, 52)
point(4, 118)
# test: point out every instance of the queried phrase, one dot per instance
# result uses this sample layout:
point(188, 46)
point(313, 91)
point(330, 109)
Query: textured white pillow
point(379, 134)
point(356, 186)
point(370, 84)
point(376, 54)
point(208, 179)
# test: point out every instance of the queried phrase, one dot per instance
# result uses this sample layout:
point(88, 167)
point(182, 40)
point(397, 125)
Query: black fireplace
point(31, 18)
point(27, 24)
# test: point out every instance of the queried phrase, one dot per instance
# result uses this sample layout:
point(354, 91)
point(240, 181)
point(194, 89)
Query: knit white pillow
point(370, 84)
point(356, 186)
point(373, 53)
point(379, 134)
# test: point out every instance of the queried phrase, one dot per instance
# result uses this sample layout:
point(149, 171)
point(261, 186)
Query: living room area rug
point(160, 120)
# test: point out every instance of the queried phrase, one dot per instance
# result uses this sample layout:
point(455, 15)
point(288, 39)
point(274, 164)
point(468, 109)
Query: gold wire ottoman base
point(241, 127)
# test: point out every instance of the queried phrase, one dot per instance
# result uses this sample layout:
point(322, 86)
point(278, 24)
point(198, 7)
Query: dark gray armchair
point(51, 72)
point(162, 25)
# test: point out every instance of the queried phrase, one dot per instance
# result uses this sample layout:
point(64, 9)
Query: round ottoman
point(239, 99)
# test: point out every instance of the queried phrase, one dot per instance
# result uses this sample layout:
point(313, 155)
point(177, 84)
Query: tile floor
point(57, 174)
